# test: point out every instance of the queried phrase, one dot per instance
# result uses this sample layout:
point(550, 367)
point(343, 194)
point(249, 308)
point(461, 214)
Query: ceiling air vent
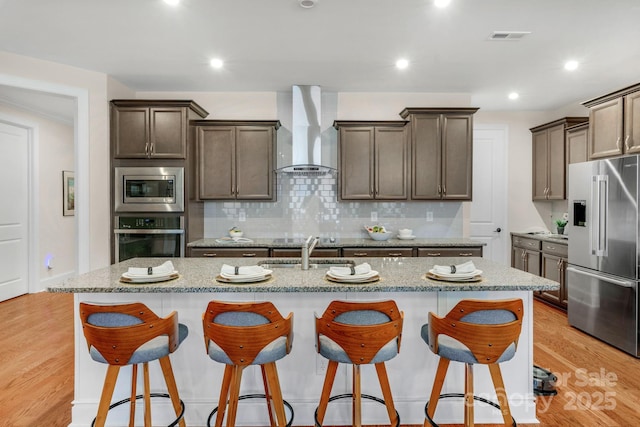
point(508, 35)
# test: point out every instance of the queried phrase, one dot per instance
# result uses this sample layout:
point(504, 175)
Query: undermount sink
point(295, 263)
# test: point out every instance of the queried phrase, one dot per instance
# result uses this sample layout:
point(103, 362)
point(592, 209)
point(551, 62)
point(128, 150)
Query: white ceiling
point(341, 45)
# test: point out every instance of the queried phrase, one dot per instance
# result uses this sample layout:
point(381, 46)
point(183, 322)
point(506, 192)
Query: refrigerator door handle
point(623, 283)
point(600, 207)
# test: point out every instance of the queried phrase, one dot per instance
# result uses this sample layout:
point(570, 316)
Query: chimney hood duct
point(306, 133)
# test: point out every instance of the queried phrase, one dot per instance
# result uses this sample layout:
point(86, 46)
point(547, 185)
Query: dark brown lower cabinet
point(229, 252)
point(450, 252)
point(377, 252)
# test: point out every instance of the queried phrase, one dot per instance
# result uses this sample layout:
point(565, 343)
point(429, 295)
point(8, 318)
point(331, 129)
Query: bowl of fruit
point(378, 232)
point(235, 232)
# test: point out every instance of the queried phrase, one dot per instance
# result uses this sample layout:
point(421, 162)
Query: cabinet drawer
point(449, 252)
point(523, 242)
point(297, 253)
point(555, 249)
point(377, 252)
point(229, 252)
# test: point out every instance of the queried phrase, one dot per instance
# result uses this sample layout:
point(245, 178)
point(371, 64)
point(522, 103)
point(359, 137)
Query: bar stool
point(474, 332)
point(132, 334)
point(358, 333)
point(244, 334)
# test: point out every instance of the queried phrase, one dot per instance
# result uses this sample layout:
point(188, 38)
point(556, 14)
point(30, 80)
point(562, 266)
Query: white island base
point(301, 373)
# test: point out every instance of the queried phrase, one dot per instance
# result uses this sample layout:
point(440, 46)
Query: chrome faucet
point(307, 248)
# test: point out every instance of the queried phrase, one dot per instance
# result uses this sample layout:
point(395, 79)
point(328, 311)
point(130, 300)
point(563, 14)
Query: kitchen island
point(301, 372)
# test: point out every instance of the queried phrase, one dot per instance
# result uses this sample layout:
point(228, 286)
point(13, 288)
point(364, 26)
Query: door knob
point(497, 230)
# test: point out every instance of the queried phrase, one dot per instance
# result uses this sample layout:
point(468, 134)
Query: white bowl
point(234, 233)
point(380, 236)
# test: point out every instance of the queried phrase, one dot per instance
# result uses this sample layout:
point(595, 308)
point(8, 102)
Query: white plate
point(127, 278)
point(246, 277)
point(360, 279)
point(353, 278)
point(406, 237)
point(454, 279)
point(461, 276)
point(243, 279)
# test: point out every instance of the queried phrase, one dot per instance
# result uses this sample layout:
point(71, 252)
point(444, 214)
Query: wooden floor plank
point(598, 384)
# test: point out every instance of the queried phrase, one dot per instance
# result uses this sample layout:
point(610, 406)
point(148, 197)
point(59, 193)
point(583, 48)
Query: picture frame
point(68, 193)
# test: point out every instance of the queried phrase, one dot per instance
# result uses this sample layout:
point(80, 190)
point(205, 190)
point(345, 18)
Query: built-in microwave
point(149, 189)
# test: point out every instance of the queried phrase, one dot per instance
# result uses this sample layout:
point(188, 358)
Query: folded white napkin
point(234, 240)
point(245, 270)
point(361, 269)
point(161, 270)
point(464, 268)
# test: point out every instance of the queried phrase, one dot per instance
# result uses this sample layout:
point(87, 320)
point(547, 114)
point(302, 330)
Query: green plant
point(561, 222)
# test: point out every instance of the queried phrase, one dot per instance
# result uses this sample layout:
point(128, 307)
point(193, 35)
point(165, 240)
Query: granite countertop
point(338, 243)
point(544, 237)
point(397, 274)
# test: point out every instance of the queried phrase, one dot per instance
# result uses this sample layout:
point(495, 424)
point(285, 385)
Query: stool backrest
point(117, 330)
point(486, 328)
point(361, 328)
point(243, 329)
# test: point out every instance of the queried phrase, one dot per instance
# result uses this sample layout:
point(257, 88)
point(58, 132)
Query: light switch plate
point(242, 217)
point(374, 216)
point(429, 216)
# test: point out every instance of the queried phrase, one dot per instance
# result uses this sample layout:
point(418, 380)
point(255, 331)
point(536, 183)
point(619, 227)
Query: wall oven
point(149, 189)
point(149, 236)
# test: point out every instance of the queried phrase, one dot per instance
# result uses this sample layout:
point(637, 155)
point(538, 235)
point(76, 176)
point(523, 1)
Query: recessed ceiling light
point(441, 3)
point(570, 65)
point(514, 95)
point(307, 4)
point(401, 64)
point(172, 2)
point(216, 63)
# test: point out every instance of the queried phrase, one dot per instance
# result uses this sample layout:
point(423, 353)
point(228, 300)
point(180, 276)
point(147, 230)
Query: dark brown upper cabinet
point(372, 160)
point(152, 129)
point(549, 158)
point(577, 143)
point(614, 123)
point(236, 159)
point(441, 152)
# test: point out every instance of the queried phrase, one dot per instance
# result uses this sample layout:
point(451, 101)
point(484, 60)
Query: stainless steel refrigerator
point(602, 277)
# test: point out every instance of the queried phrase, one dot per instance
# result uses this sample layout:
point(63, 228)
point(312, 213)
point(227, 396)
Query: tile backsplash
point(308, 205)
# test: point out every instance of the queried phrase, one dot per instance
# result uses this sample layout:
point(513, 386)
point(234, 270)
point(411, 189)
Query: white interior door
point(14, 211)
point(489, 207)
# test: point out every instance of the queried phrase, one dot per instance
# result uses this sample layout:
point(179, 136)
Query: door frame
point(81, 164)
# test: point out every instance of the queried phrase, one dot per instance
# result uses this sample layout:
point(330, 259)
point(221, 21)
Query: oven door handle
point(143, 231)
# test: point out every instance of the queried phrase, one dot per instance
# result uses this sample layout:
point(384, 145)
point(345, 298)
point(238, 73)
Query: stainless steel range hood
point(306, 133)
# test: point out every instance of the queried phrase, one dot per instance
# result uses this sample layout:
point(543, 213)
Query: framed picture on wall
point(68, 193)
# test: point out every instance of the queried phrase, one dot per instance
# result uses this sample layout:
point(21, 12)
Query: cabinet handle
point(146, 149)
point(433, 253)
point(359, 254)
point(209, 255)
point(618, 144)
point(395, 253)
point(626, 142)
point(444, 190)
point(248, 255)
point(439, 190)
point(151, 145)
point(465, 254)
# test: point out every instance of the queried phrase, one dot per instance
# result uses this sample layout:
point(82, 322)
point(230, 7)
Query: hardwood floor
point(598, 385)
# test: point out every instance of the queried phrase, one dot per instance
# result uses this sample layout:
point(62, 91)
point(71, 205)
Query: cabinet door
point(551, 269)
point(130, 132)
point(532, 262)
point(168, 131)
point(457, 157)
point(377, 252)
point(605, 129)
point(556, 163)
point(450, 252)
point(254, 162)
point(216, 162)
point(540, 164)
point(390, 163)
point(577, 146)
point(632, 123)
point(517, 258)
point(426, 150)
point(356, 163)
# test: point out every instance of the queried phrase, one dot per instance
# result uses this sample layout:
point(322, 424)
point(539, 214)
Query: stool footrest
point(348, 395)
point(449, 395)
point(140, 396)
point(253, 396)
